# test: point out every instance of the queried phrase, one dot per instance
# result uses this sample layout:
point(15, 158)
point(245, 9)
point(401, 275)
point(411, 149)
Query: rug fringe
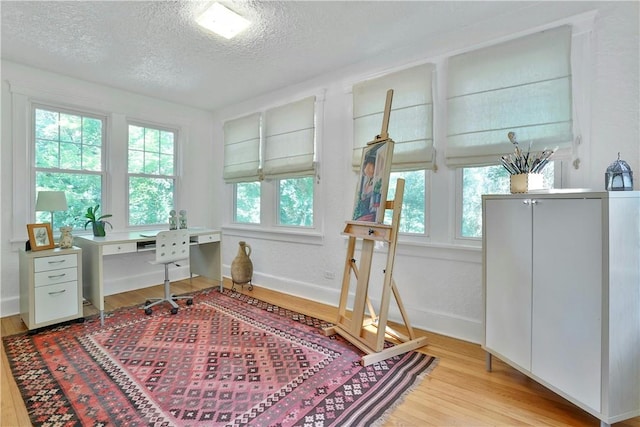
point(400, 400)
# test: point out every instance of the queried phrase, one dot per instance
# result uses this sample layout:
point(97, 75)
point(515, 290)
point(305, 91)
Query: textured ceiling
point(155, 48)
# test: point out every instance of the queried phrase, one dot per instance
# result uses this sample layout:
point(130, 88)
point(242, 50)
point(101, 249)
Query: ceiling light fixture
point(222, 21)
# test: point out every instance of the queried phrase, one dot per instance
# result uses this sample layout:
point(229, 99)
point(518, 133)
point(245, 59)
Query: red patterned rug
point(227, 360)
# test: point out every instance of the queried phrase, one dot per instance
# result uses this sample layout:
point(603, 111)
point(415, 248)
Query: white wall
point(439, 278)
point(199, 187)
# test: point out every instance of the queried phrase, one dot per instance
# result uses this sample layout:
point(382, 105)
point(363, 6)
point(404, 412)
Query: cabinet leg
point(487, 361)
point(603, 424)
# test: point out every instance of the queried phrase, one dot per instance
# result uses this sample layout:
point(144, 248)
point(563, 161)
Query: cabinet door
point(567, 296)
point(507, 240)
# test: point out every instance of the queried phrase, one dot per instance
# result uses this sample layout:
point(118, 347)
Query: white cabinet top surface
point(568, 193)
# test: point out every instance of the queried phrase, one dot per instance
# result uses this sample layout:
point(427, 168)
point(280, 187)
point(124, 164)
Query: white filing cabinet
point(562, 294)
point(50, 286)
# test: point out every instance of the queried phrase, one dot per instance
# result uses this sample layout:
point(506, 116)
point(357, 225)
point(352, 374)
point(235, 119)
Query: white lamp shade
point(51, 201)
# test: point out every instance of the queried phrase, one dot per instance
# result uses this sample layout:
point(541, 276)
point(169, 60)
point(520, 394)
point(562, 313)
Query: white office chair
point(171, 246)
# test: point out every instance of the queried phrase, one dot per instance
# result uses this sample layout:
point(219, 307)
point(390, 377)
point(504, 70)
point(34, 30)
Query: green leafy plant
point(97, 222)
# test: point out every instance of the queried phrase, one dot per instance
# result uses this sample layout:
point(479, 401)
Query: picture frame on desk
point(40, 236)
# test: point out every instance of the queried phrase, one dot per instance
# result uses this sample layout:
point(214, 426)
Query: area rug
point(227, 360)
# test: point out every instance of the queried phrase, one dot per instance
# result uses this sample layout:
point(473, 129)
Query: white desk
point(205, 257)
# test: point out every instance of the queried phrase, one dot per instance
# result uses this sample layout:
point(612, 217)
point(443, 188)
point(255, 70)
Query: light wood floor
point(459, 391)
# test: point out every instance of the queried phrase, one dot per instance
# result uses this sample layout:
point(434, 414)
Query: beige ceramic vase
point(242, 267)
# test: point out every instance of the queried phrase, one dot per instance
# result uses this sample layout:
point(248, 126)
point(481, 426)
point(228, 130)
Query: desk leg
point(205, 260)
point(101, 317)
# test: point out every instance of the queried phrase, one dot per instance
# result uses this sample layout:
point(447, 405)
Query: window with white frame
point(277, 146)
point(411, 129)
point(68, 156)
point(242, 166)
point(524, 86)
point(289, 158)
point(151, 167)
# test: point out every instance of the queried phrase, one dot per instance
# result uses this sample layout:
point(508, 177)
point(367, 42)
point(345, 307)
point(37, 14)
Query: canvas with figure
point(371, 192)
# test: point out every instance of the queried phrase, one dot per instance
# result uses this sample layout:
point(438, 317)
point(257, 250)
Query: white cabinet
point(562, 294)
point(50, 286)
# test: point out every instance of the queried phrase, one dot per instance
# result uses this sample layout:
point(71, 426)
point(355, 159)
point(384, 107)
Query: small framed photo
point(40, 236)
point(373, 182)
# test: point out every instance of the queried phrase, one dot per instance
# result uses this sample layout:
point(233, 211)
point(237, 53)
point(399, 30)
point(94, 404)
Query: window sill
point(274, 234)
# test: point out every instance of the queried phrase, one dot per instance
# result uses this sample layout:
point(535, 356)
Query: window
point(277, 146)
point(411, 129)
point(151, 174)
point(295, 202)
point(477, 181)
point(413, 203)
point(68, 156)
point(524, 86)
point(247, 202)
point(242, 166)
point(289, 157)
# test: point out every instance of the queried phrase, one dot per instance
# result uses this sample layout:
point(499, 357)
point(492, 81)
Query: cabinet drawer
point(119, 248)
point(56, 301)
point(55, 262)
point(208, 238)
point(45, 278)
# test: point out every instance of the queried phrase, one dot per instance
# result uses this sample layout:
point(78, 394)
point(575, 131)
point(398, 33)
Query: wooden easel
point(368, 332)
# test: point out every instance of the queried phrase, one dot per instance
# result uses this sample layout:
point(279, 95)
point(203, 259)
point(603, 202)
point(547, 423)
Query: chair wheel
point(148, 311)
point(147, 302)
point(189, 301)
point(174, 311)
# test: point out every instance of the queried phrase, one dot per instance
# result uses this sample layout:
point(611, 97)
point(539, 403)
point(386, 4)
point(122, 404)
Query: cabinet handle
point(55, 276)
point(530, 201)
point(58, 292)
point(57, 262)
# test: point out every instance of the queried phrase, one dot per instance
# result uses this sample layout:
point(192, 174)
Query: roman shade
point(410, 120)
point(242, 149)
point(289, 147)
point(523, 85)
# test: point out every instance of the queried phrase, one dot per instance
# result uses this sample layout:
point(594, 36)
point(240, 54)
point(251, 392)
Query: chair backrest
point(172, 246)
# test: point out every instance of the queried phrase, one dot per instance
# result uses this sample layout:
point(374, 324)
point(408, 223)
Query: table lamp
point(51, 201)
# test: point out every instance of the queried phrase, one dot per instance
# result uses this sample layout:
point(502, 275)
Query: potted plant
point(97, 222)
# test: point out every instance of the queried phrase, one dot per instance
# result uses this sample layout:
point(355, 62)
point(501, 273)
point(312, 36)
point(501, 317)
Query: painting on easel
point(371, 192)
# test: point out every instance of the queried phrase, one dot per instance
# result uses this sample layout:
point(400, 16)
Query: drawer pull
point(57, 262)
point(58, 292)
point(55, 276)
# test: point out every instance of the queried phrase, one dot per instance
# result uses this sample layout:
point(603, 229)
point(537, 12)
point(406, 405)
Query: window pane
point(152, 192)
point(136, 138)
point(152, 140)
point(67, 141)
point(412, 219)
point(151, 163)
point(487, 180)
point(247, 208)
point(151, 151)
point(68, 157)
point(136, 161)
point(81, 190)
point(150, 200)
point(92, 131)
point(70, 127)
point(295, 202)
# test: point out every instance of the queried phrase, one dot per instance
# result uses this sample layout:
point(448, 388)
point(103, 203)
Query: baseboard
point(464, 329)
point(10, 306)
